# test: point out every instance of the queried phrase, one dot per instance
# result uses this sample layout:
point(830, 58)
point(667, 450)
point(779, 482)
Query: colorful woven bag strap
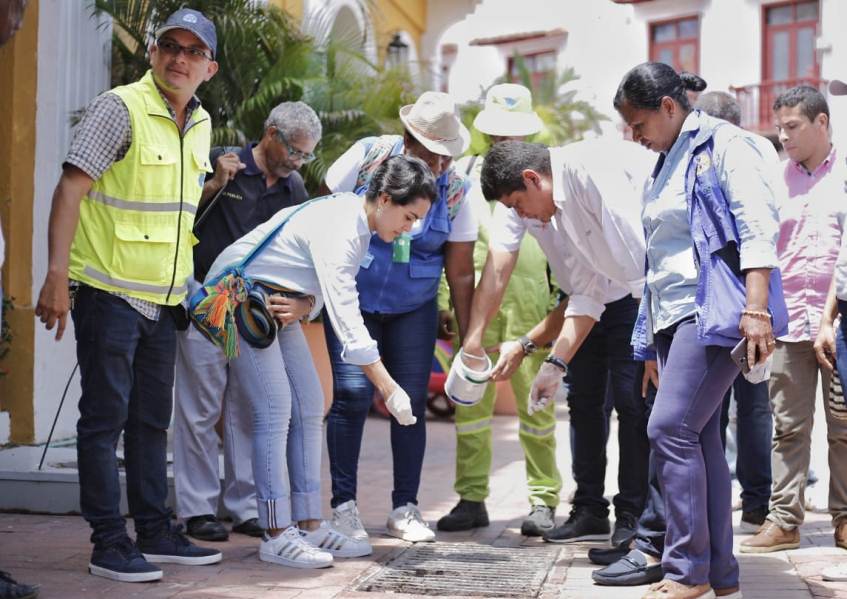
point(213, 307)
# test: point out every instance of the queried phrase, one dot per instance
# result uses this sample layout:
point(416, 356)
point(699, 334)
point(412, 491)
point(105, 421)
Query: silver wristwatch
point(528, 346)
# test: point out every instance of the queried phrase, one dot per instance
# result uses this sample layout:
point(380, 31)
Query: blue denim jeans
point(406, 344)
point(284, 392)
point(684, 431)
point(126, 365)
point(754, 438)
point(604, 364)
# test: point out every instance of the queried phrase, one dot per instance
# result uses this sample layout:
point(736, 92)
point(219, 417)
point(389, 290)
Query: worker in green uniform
point(507, 114)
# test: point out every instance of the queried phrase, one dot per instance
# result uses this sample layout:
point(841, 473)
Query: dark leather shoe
point(582, 525)
point(624, 531)
point(631, 570)
point(250, 528)
point(206, 528)
point(606, 556)
point(466, 515)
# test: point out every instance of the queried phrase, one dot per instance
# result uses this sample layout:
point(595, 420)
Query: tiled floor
point(54, 550)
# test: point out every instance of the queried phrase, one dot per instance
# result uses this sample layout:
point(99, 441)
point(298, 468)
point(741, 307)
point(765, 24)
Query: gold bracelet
point(757, 314)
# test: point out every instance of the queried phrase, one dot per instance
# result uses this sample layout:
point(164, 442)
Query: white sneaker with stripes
point(407, 523)
point(327, 538)
point(290, 549)
point(346, 520)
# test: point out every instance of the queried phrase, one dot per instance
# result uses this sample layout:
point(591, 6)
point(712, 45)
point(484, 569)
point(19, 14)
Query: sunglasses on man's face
point(171, 48)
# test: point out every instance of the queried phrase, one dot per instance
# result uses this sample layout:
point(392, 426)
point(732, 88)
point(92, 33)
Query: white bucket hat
point(508, 112)
point(434, 121)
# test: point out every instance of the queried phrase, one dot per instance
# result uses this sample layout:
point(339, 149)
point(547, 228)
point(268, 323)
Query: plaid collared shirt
point(101, 138)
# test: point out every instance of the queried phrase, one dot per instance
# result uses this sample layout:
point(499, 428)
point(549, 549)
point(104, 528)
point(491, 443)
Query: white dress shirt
point(317, 252)
point(595, 241)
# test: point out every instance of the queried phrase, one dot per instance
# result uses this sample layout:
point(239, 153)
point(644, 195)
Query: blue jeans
point(604, 362)
point(684, 431)
point(284, 392)
point(755, 437)
point(126, 365)
point(406, 344)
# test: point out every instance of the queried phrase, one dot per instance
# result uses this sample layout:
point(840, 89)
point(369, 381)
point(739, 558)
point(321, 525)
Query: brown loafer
point(670, 589)
point(771, 537)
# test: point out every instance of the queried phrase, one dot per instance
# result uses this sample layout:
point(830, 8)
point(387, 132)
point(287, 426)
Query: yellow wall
point(292, 7)
point(389, 16)
point(18, 77)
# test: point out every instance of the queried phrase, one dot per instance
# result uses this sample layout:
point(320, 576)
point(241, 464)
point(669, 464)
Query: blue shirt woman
point(711, 225)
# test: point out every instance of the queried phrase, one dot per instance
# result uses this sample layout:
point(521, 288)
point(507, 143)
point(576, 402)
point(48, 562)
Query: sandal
point(671, 589)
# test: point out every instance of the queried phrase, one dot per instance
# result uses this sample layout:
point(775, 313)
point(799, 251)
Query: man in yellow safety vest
point(120, 245)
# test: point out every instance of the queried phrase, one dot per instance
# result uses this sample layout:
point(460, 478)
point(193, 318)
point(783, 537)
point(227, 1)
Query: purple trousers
point(684, 432)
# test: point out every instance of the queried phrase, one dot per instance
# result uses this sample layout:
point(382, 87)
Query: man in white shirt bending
point(582, 203)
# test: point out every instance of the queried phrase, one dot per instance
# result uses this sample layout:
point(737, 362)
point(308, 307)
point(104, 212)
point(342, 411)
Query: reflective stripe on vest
point(140, 206)
point(135, 228)
point(131, 285)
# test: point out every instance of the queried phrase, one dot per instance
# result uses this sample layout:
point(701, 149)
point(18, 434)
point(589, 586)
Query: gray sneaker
point(540, 520)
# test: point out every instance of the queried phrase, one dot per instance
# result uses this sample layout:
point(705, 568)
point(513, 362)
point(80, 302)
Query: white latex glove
point(400, 406)
point(544, 388)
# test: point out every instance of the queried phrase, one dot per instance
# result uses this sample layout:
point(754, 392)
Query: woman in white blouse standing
point(317, 252)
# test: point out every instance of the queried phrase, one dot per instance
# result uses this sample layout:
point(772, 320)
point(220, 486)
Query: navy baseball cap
point(195, 22)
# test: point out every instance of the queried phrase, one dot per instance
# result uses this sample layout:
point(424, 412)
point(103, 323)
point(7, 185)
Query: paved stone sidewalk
point(54, 550)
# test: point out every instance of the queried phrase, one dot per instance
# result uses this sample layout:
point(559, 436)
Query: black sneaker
point(539, 521)
point(581, 525)
point(466, 515)
point(626, 525)
point(12, 589)
point(752, 521)
point(250, 528)
point(171, 546)
point(206, 528)
point(122, 561)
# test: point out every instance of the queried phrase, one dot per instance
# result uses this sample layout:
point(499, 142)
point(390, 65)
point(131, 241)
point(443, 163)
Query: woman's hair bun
point(692, 82)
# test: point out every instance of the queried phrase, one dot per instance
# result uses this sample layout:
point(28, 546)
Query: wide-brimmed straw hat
point(508, 112)
point(434, 121)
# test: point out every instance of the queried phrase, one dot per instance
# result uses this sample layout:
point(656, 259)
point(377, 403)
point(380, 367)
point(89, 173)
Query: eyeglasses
point(171, 48)
point(294, 153)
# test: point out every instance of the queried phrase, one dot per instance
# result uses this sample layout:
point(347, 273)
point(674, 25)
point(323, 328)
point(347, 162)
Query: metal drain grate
point(464, 569)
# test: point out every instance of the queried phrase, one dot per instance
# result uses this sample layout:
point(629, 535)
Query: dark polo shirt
point(246, 203)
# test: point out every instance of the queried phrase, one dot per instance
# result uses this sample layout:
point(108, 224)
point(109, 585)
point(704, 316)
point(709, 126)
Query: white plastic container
point(466, 386)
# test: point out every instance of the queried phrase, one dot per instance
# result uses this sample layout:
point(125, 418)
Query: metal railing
point(757, 100)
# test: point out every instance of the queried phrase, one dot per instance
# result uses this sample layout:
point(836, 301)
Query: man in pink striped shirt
point(812, 213)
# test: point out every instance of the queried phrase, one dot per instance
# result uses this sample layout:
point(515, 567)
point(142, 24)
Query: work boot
point(466, 515)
